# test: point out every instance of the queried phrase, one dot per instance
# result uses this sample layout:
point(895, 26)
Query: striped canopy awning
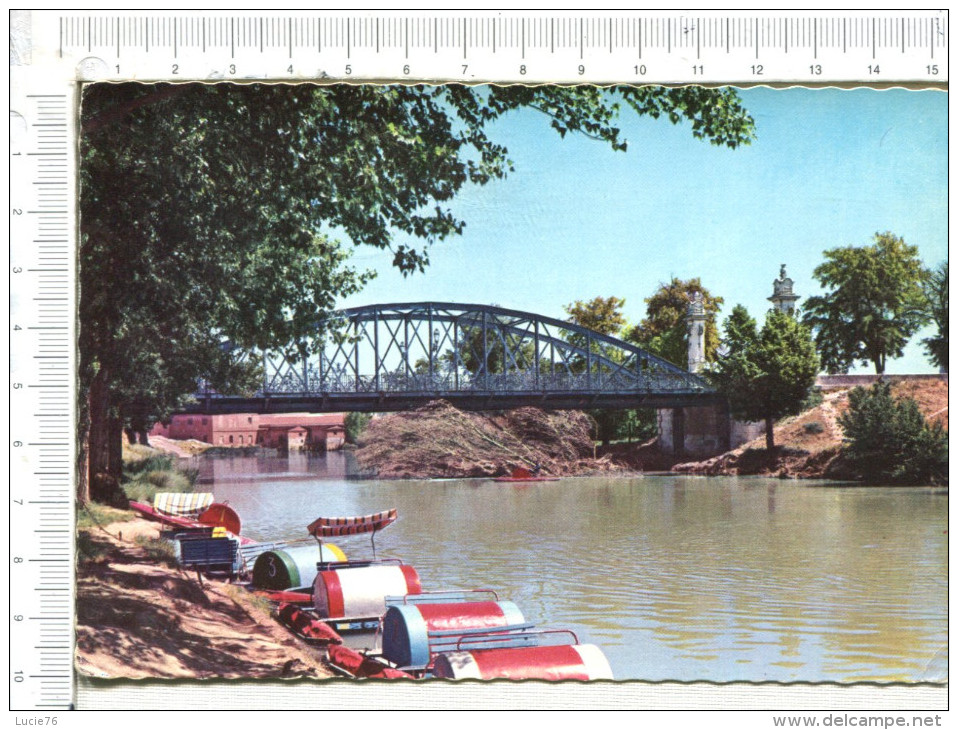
point(337, 526)
point(182, 504)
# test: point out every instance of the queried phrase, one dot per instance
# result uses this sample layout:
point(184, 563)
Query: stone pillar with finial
point(695, 319)
point(783, 298)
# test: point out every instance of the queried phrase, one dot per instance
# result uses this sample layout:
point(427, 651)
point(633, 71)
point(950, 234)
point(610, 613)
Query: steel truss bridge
point(394, 357)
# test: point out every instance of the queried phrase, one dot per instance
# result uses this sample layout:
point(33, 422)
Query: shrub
point(889, 441)
point(153, 473)
point(355, 423)
point(812, 400)
point(145, 486)
point(814, 427)
point(153, 462)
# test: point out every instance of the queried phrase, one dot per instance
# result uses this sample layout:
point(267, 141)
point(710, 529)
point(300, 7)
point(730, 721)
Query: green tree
point(766, 374)
point(355, 423)
point(663, 332)
point(872, 306)
point(500, 349)
point(209, 214)
point(600, 314)
point(889, 441)
point(604, 315)
point(936, 295)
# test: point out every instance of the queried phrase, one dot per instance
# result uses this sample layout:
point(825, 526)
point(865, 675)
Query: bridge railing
point(466, 382)
point(431, 349)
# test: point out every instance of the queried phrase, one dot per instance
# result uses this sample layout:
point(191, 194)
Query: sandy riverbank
point(138, 617)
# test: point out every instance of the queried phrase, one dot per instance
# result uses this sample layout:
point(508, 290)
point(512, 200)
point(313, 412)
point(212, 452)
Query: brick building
point(302, 431)
point(292, 431)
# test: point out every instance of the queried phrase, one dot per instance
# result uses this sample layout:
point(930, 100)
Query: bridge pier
point(699, 431)
point(708, 430)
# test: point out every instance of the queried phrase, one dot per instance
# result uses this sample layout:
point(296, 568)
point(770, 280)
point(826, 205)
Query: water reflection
point(675, 577)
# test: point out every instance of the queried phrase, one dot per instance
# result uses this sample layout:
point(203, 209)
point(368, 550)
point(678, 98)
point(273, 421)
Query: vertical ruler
point(53, 53)
point(41, 401)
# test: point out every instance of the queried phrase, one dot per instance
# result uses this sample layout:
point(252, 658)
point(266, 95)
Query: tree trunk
point(769, 434)
point(83, 454)
point(99, 409)
point(138, 431)
point(104, 445)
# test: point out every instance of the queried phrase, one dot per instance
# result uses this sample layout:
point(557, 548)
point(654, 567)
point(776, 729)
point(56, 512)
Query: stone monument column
point(783, 298)
point(695, 319)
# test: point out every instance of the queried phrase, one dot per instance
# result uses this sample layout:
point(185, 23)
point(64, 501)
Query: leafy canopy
point(765, 374)
point(872, 306)
point(600, 314)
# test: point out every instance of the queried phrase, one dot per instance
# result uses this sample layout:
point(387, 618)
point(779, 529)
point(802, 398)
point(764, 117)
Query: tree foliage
point(604, 315)
point(872, 306)
point(766, 374)
point(212, 214)
point(355, 424)
point(889, 441)
point(936, 296)
point(500, 353)
point(663, 332)
point(600, 314)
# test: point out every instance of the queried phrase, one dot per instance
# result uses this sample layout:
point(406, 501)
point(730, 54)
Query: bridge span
point(395, 357)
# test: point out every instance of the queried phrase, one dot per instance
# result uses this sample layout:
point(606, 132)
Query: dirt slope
point(138, 618)
point(810, 443)
point(440, 441)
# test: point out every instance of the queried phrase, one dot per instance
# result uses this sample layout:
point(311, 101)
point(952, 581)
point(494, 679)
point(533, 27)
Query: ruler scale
point(41, 484)
point(672, 48)
point(53, 52)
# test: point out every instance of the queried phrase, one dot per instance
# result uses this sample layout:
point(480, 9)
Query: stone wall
point(836, 382)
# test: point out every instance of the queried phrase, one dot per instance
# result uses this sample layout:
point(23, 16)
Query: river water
point(674, 577)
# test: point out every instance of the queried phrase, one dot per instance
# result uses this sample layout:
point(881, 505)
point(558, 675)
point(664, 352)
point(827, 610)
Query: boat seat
point(208, 555)
point(186, 533)
point(502, 637)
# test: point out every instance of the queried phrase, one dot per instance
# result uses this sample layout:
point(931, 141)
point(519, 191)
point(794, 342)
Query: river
point(674, 577)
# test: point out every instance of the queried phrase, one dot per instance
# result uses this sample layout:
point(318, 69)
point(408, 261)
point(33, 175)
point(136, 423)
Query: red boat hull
point(150, 513)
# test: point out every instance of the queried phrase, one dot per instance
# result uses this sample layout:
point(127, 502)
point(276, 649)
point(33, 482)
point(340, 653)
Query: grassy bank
point(147, 471)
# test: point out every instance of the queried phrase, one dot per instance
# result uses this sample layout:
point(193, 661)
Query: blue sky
point(576, 220)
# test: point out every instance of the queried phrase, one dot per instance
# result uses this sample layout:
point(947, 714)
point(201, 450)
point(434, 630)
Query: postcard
point(474, 392)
